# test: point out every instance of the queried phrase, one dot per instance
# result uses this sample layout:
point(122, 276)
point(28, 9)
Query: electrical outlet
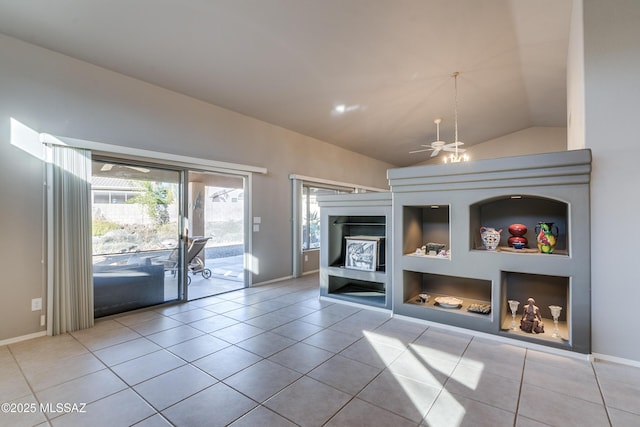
point(43, 320)
point(306, 258)
point(36, 304)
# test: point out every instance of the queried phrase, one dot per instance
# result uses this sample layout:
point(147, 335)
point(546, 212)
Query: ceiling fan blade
point(435, 152)
point(420, 151)
point(453, 144)
point(453, 149)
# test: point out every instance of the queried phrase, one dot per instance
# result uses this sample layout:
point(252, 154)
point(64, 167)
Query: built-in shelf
point(425, 224)
point(462, 310)
point(446, 285)
point(500, 212)
point(345, 218)
point(425, 256)
point(358, 291)
point(527, 251)
point(450, 203)
point(360, 224)
point(562, 340)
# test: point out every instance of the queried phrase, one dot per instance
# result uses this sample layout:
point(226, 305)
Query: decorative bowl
point(449, 302)
point(480, 308)
point(517, 229)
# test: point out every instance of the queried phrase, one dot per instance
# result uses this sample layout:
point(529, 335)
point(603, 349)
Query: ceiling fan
point(437, 146)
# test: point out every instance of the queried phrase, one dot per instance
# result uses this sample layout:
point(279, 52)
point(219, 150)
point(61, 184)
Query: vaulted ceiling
point(387, 63)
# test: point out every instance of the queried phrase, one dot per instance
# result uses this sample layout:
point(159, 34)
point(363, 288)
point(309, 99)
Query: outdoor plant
point(156, 197)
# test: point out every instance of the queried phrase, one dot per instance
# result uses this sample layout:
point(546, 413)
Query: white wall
point(575, 80)
point(533, 140)
point(56, 94)
point(612, 100)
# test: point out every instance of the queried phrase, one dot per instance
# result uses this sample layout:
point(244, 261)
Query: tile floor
point(277, 356)
point(227, 274)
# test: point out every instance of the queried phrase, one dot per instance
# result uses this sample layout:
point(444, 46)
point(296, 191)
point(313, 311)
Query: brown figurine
point(531, 320)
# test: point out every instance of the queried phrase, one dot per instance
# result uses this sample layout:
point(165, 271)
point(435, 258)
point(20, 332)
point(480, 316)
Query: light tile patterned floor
point(277, 356)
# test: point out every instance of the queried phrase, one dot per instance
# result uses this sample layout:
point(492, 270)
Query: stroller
point(194, 263)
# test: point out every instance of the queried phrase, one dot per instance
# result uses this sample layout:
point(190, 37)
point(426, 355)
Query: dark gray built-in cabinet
point(428, 233)
point(351, 222)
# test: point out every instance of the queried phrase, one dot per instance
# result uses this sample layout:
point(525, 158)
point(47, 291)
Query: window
point(306, 217)
point(311, 215)
point(101, 197)
point(118, 197)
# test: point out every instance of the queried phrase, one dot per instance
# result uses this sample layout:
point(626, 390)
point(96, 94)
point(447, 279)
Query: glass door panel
point(217, 214)
point(136, 236)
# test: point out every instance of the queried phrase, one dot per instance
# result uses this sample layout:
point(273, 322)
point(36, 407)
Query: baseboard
point(497, 338)
point(614, 359)
point(23, 338)
point(306, 273)
point(355, 304)
point(267, 282)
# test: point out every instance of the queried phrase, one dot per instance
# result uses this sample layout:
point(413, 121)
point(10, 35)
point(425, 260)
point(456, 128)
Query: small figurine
point(531, 319)
point(433, 248)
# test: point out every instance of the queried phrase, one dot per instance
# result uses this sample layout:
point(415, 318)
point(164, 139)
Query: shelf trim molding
point(549, 169)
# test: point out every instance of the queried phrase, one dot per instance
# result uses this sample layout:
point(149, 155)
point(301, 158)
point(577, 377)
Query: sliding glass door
point(217, 214)
point(137, 239)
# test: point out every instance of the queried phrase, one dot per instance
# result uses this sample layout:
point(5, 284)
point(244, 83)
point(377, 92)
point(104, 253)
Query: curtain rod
point(335, 183)
point(174, 159)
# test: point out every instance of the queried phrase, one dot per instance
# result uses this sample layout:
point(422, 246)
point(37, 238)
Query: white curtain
point(71, 290)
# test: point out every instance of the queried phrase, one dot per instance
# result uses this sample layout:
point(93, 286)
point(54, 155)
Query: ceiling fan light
point(439, 145)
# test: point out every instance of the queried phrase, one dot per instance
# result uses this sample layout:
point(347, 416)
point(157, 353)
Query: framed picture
point(361, 254)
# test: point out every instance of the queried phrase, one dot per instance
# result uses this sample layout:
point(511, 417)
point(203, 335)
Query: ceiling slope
point(386, 65)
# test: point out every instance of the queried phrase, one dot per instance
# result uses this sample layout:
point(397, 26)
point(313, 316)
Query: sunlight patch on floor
point(415, 367)
point(454, 412)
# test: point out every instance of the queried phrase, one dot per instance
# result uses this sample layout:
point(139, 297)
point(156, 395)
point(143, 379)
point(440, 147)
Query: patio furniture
point(194, 262)
point(120, 288)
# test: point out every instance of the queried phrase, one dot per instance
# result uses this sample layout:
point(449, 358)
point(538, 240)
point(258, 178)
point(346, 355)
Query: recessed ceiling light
point(343, 108)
